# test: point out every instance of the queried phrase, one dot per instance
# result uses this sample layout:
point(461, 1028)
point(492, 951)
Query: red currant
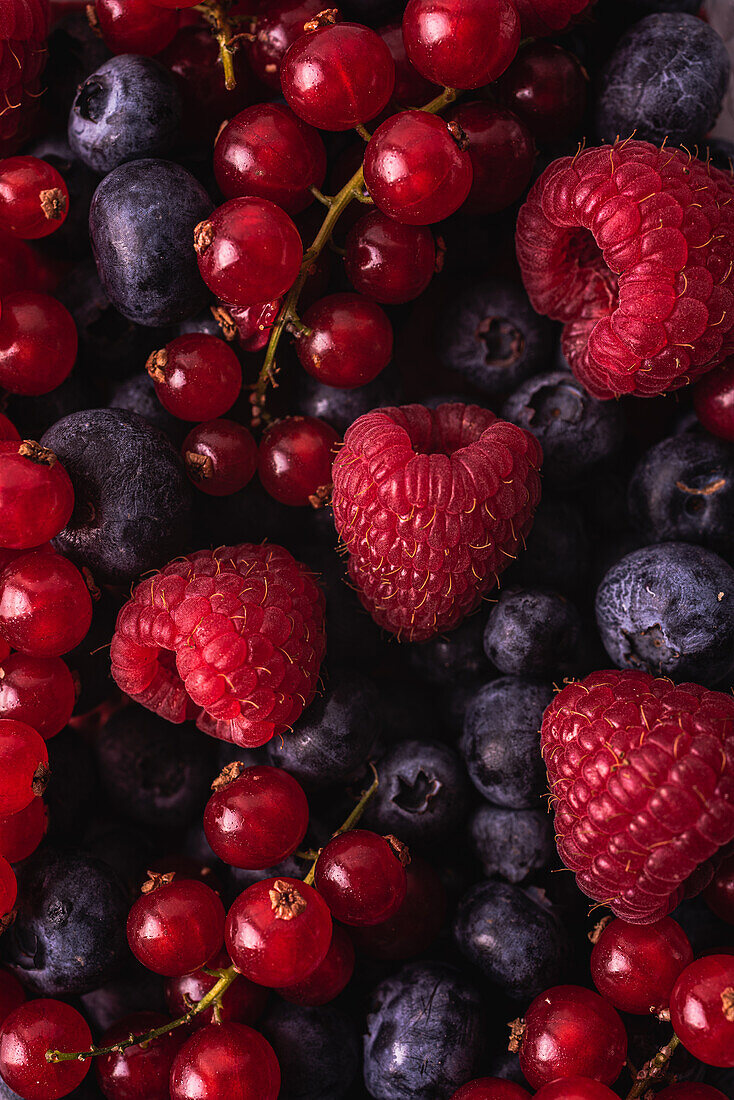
point(243, 1001)
point(415, 169)
point(220, 457)
point(388, 261)
point(338, 76)
point(38, 343)
point(719, 894)
point(635, 966)
point(39, 691)
point(361, 876)
point(294, 462)
point(140, 1072)
point(490, 1088)
point(174, 3)
point(175, 927)
point(546, 87)
point(461, 43)
point(225, 1060)
point(22, 832)
point(256, 817)
point(33, 197)
point(8, 431)
point(329, 978)
point(569, 1032)
point(8, 889)
point(24, 759)
point(249, 251)
point(45, 606)
point(28, 1033)
point(416, 924)
point(255, 323)
point(502, 154)
point(36, 495)
point(12, 994)
point(411, 89)
point(575, 1088)
point(278, 931)
point(702, 1009)
point(269, 152)
point(348, 342)
point(277, 28)
point(713, 400)
point(135, 26)
point(196, 376)
point(690, 1090)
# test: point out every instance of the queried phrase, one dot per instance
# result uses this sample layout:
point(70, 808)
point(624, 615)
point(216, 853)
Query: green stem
point(351, 821)
point(651, 1071)
point(216, 15)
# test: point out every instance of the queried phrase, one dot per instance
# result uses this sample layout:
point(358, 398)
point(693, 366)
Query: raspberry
point(632, 247)
point(641, 772)
point(541, 17)
point(23, 29)
point(231, 638)
point(432, 504)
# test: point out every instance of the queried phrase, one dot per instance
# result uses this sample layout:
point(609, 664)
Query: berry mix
point(366, 550)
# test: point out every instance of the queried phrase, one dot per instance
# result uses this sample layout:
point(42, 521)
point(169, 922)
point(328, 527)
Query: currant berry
point(502, 154)
point(387, 261)
point(254, 324)
point(411, 89)
point(570, 1032)
point(415, 170)
point(39, 691)
point(220, 457)
point(8, 890)
point(24, 758)
point(225, 1060)
point(575, 1088)
point(135, 26)
point(702, 1009)
point(278, 931)
point(348, 342)
point(635, 966)
point(242, 1002)
point(176, 926)
point(249, 251)
point(34, 199)
point(719, 894)
point(12, 994)
point(546, 87)
point(196, 376)
point(294, 461)
point(329, 978)
point(140, 1072)
point(416, 924)
point(38, 343)
point(490, 1088)
point(461, 44)
point(28, 1033)
point(268, 152)
point(277, 28)
point(361, 876)
point(22, 832)
point(338, 76)
point(8, 431)
point(45, 606)
point(175, 4)
point(36, 495)
point(713, 400)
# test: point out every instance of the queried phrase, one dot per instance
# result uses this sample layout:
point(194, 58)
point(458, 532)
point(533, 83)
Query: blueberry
point(142, 223)
point(516, 942)
point(73, 786)
point(137, 395)
point(643, 7)
point(665, 81)
point(683, 489)
point(135, 990)
point(131, 495)
point(557, 551)
point(532, 632)
point(317, 1049)
point(492, 336)
point(69, 933)
point(454, 702)
point(340, 407)
point(669, 609)
point(72, 237)
point(129, 108)
point(501, 741)
point(425, 1033)
point(575, 430)
point(450, 659)
point(512, 843)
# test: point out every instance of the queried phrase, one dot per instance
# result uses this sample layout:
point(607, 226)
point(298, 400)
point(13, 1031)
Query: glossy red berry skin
point(22, 832)
point(257, 819)
point(8, 431)
point(23, 762)
point(8, 888)
point(387, 261)
point(135, 26)
point(196, 376)
point(415, 170)
point(39, 691)
point(142, 1071)
point(277, 28)
point(278, 931)
point(249, 251)
point(502, 153)
point(338, 76)
point(575, 1088)
point(719, 894)
point(329, 978)
point(361, 877)
point(411, 89)
point(349, 342)
point(635, 966)
point(295, 458)
point(690, 1090)
point(174, 4)
point(416, 924)
point(34, 199)
point(12, 994)
point(176, 928)
point(45, 606)
point(461, 43)
point(243, 1002)
point(572, 1032)
point(490, 1088)
point(223, 1061)
point(36, 495)
point(26, 1035)
point(38, 343)
point(702, 1009)
point(220, 457)
point(269, 152)
point(546, 87)
point(713, 400)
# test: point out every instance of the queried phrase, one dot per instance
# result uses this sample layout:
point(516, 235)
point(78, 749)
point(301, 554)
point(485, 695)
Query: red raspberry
point(632, 247)
point(641, 772)
point(432, 505)
point(541, 17)
point(23, 30)
point(231, 638)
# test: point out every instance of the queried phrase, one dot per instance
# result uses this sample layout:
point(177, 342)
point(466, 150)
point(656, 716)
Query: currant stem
point(351, 821)
point(650, 1072)
point(216, 14)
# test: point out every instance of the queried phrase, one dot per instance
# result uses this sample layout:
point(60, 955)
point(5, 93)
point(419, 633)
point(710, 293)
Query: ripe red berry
point(8, 889)
point(39, 691)
point(338, 76)
point(502, 154)
point(572, 1032)
point(254, 324)
point(8, 431)
point(702, 1009)
point(176, 4)
point(415, 168)
point(140, 1072)
point(220, 457)
point(415, 925)
point(36, 495)
point(713, 400)
point(135, 26)
point(411, 89)
point(225, 1060)
point(389, 261)
point(22, 832)
point(635, 966)
point(277, 28)
point(196, 376)
point(24, 760)
point(719, 894)
point(38, 343)
point(27, 1034)
point(295, 459)
point(575, 1088)
point(329, 978)
point(278, 931)
point(269, 152)
point(242, 1002)
point(546, 87)
point(249, 251)
point(12, 994)
point(176, 926)
point(348, 343)
point(490, 1088)
point(461, 43)
point(33, 197)
point(45, 606)
point(361, 876)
